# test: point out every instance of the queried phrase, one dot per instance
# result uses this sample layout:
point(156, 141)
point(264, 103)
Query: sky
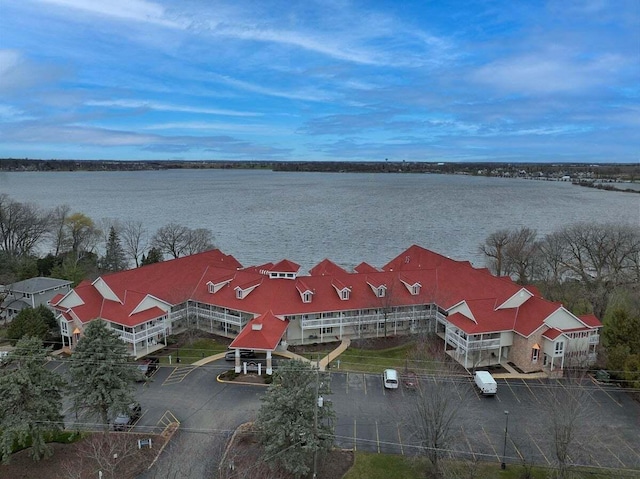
point(326, 80)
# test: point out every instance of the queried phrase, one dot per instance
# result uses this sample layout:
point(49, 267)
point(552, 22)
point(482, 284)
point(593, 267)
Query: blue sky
point(406, 80)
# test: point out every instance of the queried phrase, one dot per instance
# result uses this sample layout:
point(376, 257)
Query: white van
point(390, 379)
point(485, 382)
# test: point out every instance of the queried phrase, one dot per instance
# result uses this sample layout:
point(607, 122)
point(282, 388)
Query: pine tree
point(30, 400)
point(114, 257)
point(101, 373)
point(154, 256)
point(288, 427)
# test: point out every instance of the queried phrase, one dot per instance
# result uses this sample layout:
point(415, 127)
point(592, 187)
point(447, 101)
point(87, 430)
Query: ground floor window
point(534, 355)
point(327, 330)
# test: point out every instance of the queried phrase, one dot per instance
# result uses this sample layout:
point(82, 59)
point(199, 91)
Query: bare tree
point(494, 248)
point(199, 239)
point(133, 235)
point(569, 419)
point(520, 254)
point(171, 239)
point(22, 227)
point(601, 257)
point(80, 235)
point(58, 220)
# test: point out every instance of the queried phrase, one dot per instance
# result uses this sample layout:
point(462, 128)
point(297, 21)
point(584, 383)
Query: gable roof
point(262, 333)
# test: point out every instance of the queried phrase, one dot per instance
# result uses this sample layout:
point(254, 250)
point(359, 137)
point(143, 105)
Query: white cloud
point(131, 10)
point(151, 105)
point(546, 73)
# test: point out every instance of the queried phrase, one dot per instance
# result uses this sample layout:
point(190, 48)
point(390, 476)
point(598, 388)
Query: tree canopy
point(291, 424)
point(37, 322)
point(30, 400)
point(101, 373)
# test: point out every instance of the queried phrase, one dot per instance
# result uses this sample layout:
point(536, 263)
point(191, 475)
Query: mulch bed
point(244, 454)
point(74, 460)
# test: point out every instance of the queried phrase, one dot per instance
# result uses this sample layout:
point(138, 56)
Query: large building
point(482, 319)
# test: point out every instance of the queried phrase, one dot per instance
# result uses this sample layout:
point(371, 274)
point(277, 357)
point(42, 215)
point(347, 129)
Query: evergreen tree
point(30, 400)
point(154, 256)
point(101, 374)
point(114, 258)
point(291, 424)
point(39, 322)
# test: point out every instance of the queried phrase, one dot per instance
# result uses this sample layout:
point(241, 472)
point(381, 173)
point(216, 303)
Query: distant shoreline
point(606, 176)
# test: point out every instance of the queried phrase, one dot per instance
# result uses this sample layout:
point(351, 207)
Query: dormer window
point(344, 294)
point(306, 297)
point(381, 291)
point(212, 288)
point(415, 289)
point(239, 293)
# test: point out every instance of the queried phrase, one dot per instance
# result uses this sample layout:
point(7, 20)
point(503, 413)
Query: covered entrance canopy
point(262, 333)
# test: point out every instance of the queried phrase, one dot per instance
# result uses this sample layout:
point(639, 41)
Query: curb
point(223, 381)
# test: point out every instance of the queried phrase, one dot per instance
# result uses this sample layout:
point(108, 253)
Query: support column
point(269, 367)
point(238, 367)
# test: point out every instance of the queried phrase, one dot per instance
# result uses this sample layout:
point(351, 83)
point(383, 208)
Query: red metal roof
point(262, 333)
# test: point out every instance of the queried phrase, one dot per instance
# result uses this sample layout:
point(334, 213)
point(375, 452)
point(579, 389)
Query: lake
point(261, 216)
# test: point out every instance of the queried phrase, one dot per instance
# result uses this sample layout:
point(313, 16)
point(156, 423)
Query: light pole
point(504, 448)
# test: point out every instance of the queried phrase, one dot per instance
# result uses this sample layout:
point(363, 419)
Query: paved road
point(374, 419)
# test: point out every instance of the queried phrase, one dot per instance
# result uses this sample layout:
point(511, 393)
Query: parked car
point(147, 367)
point(125, 420)
point(244, 354)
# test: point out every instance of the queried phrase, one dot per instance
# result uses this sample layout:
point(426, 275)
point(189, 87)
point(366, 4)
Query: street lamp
point(504, 448)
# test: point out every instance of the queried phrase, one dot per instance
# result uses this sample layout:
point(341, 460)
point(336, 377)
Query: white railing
point(354, 320)
point(594, 339)
point(138, 336)
point(484, 344)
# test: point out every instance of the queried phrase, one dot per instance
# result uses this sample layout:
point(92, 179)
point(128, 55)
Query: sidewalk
point(324, 362)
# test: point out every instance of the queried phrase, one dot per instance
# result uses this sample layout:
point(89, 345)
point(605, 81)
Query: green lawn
point(201, 348)
point(387, 466)
point(405, 357)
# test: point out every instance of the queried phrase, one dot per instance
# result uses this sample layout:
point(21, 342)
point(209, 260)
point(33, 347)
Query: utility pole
point(316, 400)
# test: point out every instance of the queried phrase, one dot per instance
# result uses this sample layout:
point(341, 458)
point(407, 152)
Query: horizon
point(428, 82)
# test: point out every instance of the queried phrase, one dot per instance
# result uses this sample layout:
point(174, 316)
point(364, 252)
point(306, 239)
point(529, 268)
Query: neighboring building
point(482, 319)
point(31, 293)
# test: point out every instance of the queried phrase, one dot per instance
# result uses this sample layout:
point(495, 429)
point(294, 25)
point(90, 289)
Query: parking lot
point(375, 419)
point(372, 418)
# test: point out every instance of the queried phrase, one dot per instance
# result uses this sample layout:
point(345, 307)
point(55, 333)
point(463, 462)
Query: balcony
point(594, 339)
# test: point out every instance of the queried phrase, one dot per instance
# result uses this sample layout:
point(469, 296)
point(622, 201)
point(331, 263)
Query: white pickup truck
point(485, 382)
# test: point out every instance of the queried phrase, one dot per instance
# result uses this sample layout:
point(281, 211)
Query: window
point(239, 293)
point(559, 347)
point(381, 291)
point(327, 330)
point(381, 325)
point(306, 297)
point(344, 294)
point(415, 289)
point(534, 355)
point(64, 328)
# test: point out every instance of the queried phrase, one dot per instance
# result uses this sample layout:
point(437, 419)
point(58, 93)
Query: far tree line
point(77, 247)
point(589, 268)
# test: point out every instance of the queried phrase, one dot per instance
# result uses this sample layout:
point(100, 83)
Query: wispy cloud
point(152, 105)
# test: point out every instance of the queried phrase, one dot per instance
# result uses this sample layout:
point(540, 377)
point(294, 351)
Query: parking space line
point(364, 381)
point(516, 448)
point(635, 451)
point(512, 391)
point(355, 441)
point(400, 440)
point(605, 391)
point(530, 390)
point(377, 437)
point(468, 443)
point(490, 443)
point(612, 453)
point(58, 366)
point(347, 385)
point(536, 444)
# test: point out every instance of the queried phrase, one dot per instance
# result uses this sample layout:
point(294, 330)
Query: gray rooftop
point(35, 285)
